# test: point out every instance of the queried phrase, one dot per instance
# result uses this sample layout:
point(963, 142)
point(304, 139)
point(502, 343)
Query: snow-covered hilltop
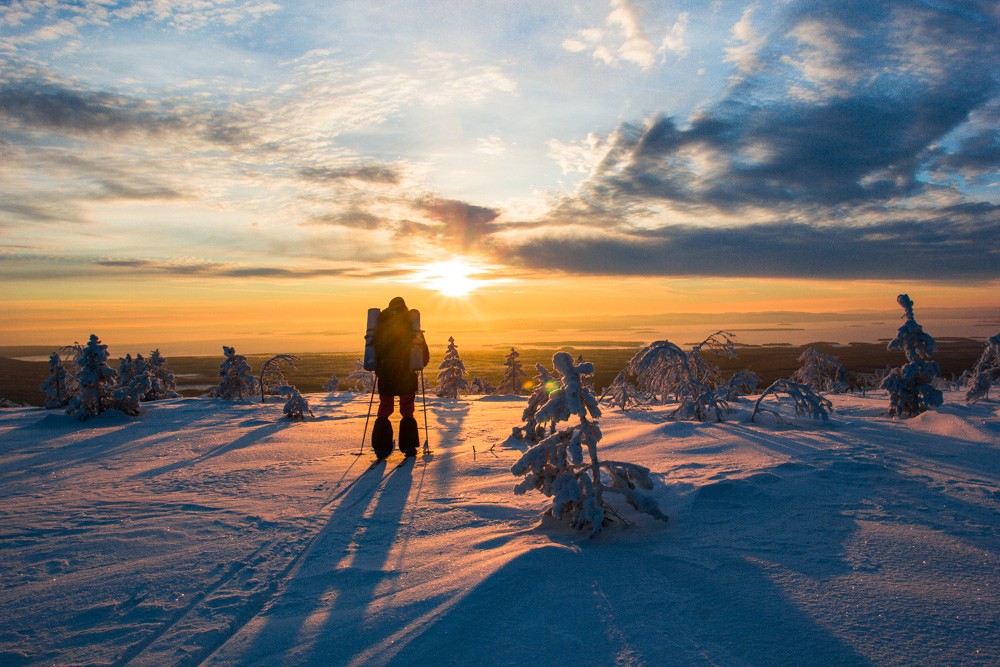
point(221, 532)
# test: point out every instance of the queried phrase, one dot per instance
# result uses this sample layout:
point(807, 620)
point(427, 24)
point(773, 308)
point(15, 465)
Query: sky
point(192, 173)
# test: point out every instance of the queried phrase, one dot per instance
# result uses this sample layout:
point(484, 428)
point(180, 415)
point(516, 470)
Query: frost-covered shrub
point(361, 381)
point(985, 372)
point(667, 373)
point(821, 372)
point(740, 384)
point(56, 387)
point(544, 384)
point(272, 378)
point(556, 466)
point(911, 387)
point(236, 377)
point(297, 407)
point(624, 391)
point(514, 376)
point(332, 385)
point(807, 403)
point(95, 381)
point(451, 380)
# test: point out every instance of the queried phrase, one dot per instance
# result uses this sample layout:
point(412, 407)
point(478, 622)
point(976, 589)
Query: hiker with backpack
point(396, 342)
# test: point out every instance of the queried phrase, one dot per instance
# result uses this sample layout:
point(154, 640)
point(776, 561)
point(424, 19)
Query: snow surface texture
point(216, 532)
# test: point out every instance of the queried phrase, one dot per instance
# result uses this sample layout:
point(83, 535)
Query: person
point(394, 340)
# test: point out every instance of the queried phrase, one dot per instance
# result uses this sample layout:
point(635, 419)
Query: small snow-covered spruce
point(911, 387)
point(985, 372)
point(56, 386)
point(297, 407)
point(544, 384)
point(332, 385)
point(128, 395)
point(236, 377)
point(161, 378)
point(360, 380)
point(806, 401)
point(822, 372)
point(451, 380)
point(272, 378)
point(126, 369)
point(514, 376)
point(95, 379)
point(481, 386)
point(556, 465)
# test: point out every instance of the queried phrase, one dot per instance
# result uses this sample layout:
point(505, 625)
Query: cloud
point(864, 133)
point(34, 21)
point(37, 104)
point(491, 145)
point(354, 218)
point(961, 244)
point(626, 39)
point(580, 156)
point(464, 224)
point(368, 173)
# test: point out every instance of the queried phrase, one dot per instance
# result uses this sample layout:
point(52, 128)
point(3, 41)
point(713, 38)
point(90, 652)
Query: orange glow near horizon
point(197, 317)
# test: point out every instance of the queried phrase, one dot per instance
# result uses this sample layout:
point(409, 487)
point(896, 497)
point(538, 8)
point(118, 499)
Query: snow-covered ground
point(207, 531)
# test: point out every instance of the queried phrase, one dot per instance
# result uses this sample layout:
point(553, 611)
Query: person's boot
point(382, 437)
point(409, 436)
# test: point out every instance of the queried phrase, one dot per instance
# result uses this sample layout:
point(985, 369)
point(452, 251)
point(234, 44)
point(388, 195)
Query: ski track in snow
point(207, 532)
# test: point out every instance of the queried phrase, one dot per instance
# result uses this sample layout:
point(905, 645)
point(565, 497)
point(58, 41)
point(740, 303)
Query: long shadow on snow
point(245, 440)
point(620, 601)
point(450, 415)
point(340, 595)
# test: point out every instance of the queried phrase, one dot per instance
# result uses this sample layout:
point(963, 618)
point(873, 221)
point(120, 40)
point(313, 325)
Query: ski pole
point(423, 393)
point(371, 402)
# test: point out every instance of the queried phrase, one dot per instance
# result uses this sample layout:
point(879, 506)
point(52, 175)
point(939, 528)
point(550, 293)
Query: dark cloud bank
point(852, 162)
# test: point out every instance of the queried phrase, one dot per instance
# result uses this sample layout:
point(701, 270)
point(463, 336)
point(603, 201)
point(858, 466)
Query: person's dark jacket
point(393, 341)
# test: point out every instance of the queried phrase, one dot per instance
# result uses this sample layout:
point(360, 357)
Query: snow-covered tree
point(556, 466)
point(56, 386)
point(297, 407)
point(985, 372)
point(740, 384)
point(237, 380)
point(624, 392)
point(481, 386)
point(821, 372)
point(544, 384)
point(126, 369)
point(666, 372)
point(911, 387)
point(514, 376)
point(586, 378)
point(272, 378)
point(128, 395)
point(361, 381)
point(161, 378)
point(806, 402)
point(95, 380)
point(332, 385)
point(451, 380)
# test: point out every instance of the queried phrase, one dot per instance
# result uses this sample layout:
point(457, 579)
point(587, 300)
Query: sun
point(454, 277)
